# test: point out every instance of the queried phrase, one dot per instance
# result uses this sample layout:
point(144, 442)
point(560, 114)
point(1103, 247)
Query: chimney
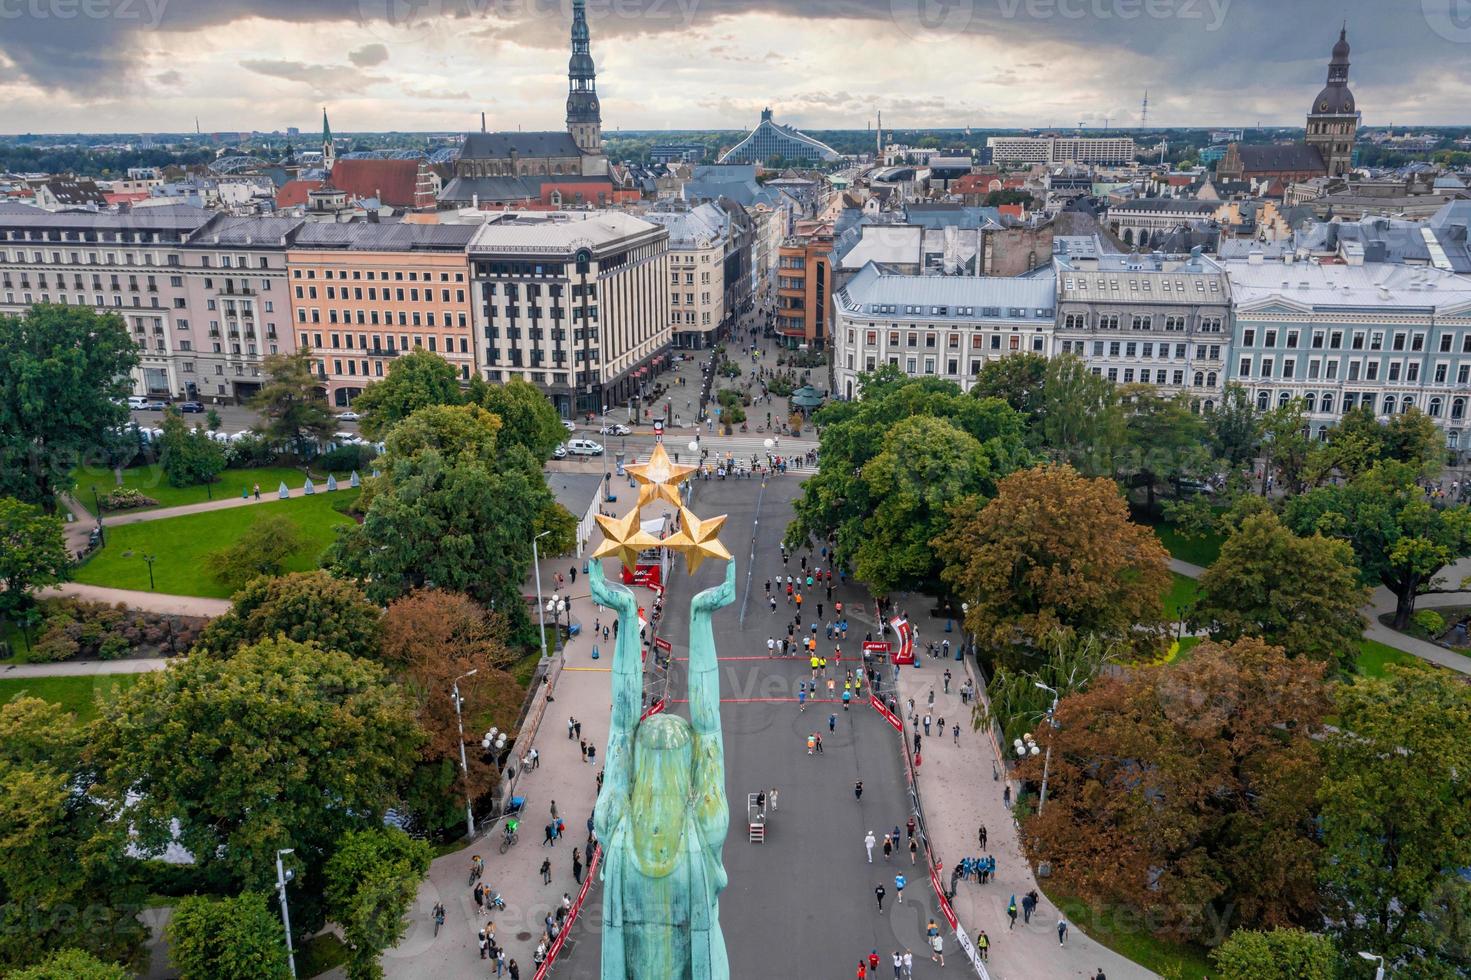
point(482, 122)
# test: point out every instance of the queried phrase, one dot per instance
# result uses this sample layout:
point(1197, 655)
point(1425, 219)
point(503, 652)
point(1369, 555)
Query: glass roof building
point(769, 140)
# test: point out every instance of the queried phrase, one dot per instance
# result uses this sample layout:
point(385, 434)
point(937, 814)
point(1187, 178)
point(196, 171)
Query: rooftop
point(363, 236)
point(555, 231)
point(873, 292)
point(1372, 286)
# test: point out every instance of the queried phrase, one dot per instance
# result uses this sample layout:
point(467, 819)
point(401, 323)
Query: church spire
point(329, 151)
point(584, 117)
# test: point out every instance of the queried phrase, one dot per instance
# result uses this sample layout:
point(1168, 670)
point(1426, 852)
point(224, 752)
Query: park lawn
point(1202, 550)
point(1122, 933)
point(74, 692)
point(324, 951)
point(1183, 592)
point(181, 544)
point(151, 481)
point(1375, 656)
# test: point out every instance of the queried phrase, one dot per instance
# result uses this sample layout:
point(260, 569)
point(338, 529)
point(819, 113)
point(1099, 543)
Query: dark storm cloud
point(368, 55)
point(1214, 46)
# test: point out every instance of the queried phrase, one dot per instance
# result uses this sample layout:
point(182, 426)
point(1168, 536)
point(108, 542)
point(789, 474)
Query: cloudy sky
point(154, 65)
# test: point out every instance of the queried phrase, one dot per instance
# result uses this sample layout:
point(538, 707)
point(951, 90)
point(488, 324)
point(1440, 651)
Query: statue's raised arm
point(628, 684)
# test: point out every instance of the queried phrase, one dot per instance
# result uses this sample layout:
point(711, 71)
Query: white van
point(584, 447)
point(136, 402)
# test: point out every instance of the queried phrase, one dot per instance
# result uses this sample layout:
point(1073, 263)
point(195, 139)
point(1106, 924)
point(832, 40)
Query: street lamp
point(556, 605)
point(282, 877)
point(540, 619)
point(1379, 963)
point(1047, 759)
point(464, 765)
point(97, 509)
point(150, 559)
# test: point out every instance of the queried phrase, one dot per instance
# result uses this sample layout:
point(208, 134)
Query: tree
point(925, 465)
point(1017, 379)
point(234, 938)
point(1235, 427)
point(1400, 540)
point(453, 509)
point(1187, 791)
point(282, 745)
point(64, 381)
point(1298, 593)
point(1163, 438)
point(839, 502)
point(63, 872)
point(1082, 423)
point(263, 548)
point(430, 638)
point(1396, 820)
point(1016, 702)
point(32, 553)
point(527, 416)
point(1360, 440)
point(371, 879)
point(414, 380)
point(189, 456)
point(71, 964)
point(1055, 551)
point(308, 607)
point(1285, 445)
point(293, 409)
point(1277, 954)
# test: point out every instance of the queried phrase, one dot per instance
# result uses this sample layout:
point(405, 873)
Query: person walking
point(811, 743)
point(832, 722)
point(955, 733)
point(577, 865)
point(868, 843)
point(888, 846)
point(551, 836)
point(913, 850)
point(858, 792)
point(947, 680)
point(819, 743)
point(899, 883)
point(926, 725)
point(1011, 914)
point(1006, 796)
point(983, 945)
point(479, 894)
point(572, 725)
point(1029, 905)
point(1061, 929)
point(898, 965)
point(873, 963)
point(908, 964)
point(878, 894)
point(909, 826)
point(512, 970)
point(546, 871)
point(937, 949)
point(554, 811)
point(771, 798)
point(862, 970)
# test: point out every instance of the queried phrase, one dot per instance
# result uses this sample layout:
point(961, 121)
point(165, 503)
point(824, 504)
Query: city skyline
point(386, 64)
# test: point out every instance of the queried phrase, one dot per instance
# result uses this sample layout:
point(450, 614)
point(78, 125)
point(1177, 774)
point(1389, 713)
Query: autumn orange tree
point(431, 637)
point(1053, 551)
point(1188, 791)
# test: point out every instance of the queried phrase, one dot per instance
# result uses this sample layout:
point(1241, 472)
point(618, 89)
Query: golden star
point(697, 539)
point(624, 538)
point(660, 477)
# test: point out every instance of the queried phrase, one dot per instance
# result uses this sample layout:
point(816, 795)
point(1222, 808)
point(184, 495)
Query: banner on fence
point(905, 653)
point(663, 644)
point(883, 709)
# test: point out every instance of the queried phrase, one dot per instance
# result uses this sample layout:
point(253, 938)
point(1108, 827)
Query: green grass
point(150, 480)
point(75, 693)
point(1202, 551)
point(319, 954)
point(1121, 931)
point(1183, 592)
point(181, 544)
point(1375, 656)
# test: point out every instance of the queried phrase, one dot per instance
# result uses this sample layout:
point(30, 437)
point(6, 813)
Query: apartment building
point(803, 286)
point(1381, 335)
point(235, 310)
point(576, 303)
point(698, 239)
point(365, 293)
point(1051, 150)
point(130, 264)
point(937, 326)
point(1147, 319)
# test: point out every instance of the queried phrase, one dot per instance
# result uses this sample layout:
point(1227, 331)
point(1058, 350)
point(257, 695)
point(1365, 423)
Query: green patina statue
point(662, 814)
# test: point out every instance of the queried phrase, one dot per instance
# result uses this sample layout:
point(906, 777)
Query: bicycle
point(477, 868)
point(508, 840)
point(438, 916)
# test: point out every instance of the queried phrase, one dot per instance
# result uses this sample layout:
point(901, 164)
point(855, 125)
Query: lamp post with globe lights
point(1047, 759)
point(464, 765)
point(283, 876)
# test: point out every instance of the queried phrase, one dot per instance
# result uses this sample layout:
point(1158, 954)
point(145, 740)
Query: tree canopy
point(371, 880)
point(291, 404)
point(1299, 593)
point(1187, 791)
point(32, 553)
point(1082, 421)
point(307, 607)
point(1277, 954)
point(415, 380)
point(64, 382)
point(1055, 550)
point(189, 456)
point(232, 938)
point(1017, 379)
point(527, 417)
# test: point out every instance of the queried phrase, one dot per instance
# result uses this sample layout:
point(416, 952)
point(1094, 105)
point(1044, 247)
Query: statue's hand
point(719, 596)
point(606, 593)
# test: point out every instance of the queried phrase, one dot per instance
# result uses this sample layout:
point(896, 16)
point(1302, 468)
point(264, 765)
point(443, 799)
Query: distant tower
point(584, 118)
point(1144, 111)
point(1333, 120)
point(482, 122)
point(329, 152)
point(879, 140)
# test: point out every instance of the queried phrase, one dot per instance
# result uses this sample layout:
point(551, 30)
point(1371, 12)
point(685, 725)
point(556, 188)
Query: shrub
point(127, 498)
point(250, 451)
point(344, 458)
point(1429, 621)
point(262, 549)
point(53, 647)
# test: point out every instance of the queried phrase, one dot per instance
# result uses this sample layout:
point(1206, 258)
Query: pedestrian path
point(154, 602)
point(960, 796)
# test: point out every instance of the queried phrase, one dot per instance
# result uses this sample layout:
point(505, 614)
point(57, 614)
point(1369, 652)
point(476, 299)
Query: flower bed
point(75, 629)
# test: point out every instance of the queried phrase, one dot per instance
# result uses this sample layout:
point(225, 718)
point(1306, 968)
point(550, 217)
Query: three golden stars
point(659, 479)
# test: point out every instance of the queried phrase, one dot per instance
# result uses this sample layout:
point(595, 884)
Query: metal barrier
point(561, 940)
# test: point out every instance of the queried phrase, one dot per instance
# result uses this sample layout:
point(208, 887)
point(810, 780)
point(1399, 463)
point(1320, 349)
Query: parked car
point(615, 429)
point(559, 453)
point(584, 447)
point(155, 405)
point(137, 402)
point(569, 425)
point(348, 416)
point(191, 406)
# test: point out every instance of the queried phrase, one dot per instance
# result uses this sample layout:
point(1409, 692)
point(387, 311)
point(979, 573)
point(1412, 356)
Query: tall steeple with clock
point(584, 117)
point(1333, 120)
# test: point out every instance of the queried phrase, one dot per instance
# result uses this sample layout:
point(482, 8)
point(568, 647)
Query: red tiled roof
point(293, 193)
point(392, 182)
point(127, 197)
point(1015, 210)
point(972, 184)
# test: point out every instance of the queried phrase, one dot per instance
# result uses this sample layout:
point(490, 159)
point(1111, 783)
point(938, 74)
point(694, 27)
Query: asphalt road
point(801, 904)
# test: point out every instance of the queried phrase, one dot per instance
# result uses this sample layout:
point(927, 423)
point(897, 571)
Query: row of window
point(1172, 323)
point(397, 293)
point(1400, 340)
point(1115, 348)
point(1366, 370)
point(386, 318)
point(399, 275)
point(1316, 403)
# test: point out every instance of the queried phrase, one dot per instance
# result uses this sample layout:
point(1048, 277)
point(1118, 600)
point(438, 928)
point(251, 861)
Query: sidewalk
point(959, 796)
point(155, 602)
